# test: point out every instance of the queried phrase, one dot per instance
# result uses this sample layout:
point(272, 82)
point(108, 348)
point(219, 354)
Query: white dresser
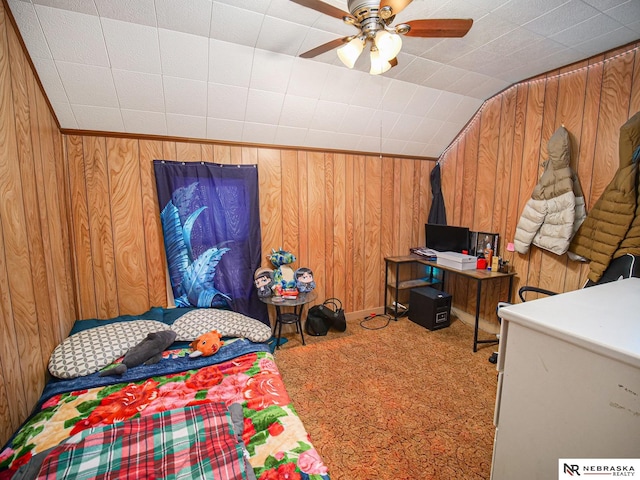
point(568, 381)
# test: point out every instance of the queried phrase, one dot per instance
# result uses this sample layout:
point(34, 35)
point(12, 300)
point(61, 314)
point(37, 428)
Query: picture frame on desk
point(479, 241)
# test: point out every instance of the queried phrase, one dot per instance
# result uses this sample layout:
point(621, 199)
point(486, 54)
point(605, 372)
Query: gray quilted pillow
point(230, 324)
point(88, 351)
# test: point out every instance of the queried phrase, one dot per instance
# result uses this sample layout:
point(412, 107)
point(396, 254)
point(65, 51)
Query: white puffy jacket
point(556, 208)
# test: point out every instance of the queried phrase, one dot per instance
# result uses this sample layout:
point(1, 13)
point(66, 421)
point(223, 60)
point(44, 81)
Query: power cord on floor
point(373, 316)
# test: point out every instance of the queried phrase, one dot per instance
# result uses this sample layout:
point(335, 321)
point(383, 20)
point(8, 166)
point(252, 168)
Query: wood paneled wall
point(37, 304)
point(339, 214)
point(79, 223)
point(489, 172)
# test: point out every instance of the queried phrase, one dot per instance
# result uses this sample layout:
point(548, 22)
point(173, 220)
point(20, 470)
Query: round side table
point(293, 315)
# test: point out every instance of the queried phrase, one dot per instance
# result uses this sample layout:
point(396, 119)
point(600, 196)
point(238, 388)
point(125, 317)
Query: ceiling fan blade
point(325, 47)
point(396, 5)
point(393, 62)
point(322, 7)
point(439, 27)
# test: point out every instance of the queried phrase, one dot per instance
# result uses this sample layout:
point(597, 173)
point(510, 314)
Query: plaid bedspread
point(272, 433)
point(188, 443)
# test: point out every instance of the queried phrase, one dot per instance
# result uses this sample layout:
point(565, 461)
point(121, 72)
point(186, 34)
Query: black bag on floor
point(316, 324)
point(328, 315)
point(335, 314)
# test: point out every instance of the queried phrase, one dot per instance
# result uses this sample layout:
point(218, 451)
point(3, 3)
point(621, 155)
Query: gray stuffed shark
point(148, 351)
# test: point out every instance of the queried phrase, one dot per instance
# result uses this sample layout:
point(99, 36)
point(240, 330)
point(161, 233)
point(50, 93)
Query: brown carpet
point(397, 403)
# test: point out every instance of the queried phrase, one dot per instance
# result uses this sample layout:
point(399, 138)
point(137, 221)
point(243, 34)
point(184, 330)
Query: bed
point(224, 416)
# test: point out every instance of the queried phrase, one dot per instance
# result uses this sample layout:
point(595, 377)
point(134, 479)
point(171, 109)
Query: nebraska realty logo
point(598, 467)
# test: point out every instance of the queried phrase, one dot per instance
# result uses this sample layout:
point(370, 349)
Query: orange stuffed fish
point(206, 344)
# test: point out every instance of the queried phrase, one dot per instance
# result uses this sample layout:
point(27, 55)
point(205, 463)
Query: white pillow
point(230, 324)
point(88, 351)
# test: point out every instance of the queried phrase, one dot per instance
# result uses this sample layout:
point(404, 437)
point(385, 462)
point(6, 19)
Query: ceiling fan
point(373, 18)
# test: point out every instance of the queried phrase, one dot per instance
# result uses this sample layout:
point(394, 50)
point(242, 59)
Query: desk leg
point(510, 300)
point(477, 322)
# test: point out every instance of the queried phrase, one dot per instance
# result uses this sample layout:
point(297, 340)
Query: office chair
point(625, 266)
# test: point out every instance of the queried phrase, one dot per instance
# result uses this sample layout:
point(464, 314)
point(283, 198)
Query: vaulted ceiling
point(229, 70)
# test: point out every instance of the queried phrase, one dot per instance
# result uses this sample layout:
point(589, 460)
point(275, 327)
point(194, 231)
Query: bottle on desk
point(488, 255)
point(495, 264)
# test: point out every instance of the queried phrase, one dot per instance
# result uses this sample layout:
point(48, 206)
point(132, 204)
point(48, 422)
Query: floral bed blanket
point(242, 376)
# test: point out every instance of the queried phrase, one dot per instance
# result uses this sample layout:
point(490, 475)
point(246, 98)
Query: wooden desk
point(479, 276)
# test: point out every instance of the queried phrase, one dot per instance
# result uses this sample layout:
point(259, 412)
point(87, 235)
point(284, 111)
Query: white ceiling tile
point(555, 20)
point(259, 133)
point(293, 136)
point(297, 111)
point(488, 88)
point(447, 132)
point(132, 46)
point(30, 29)
point(340, 85)
point(229, 63)
point(523, 11)
point(327, 115)
point(465, 110)
point(369, 91)
point(619, 36)
point(443, 106)
point(405, 127)
point(585, 31)
point(264, 107)
point(73, 37)
point(292, 12)
point(510, 42)
point(50, 79)
point(103, 119)
point(227, 101)
point(603, 5)
point(413, 149)
point(354, 119)
point(183, 55)
point(418, 70)
point(80, 6)
point(422, 101)
point(139, 91)
point(447, 51)
point(368, 144)
point(625, 13)
point(271, 71)
point(259, 6)
point(64, 114)
point(150, 123)
point(307, 78)
point(142, 12)
point(398, 96)
point(276, 35)
point(184, 96)
point(427, 130)
point(192, 17)
point(187, 126)
point(488, 28)
point(229, 130)
point(444, 77)
point(235, 25)
point(192, 69)
point(88, 84)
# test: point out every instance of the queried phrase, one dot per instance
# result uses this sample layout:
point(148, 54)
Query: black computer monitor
point(447, 238)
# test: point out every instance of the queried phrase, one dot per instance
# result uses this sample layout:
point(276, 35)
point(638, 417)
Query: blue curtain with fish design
point(210, 217)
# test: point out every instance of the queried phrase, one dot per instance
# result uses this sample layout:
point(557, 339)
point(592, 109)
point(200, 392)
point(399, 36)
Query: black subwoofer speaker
point(430, 308)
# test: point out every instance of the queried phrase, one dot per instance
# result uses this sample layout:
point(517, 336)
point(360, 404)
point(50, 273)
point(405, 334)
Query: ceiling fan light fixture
point(350, 52)
point(388, 44)
point(379, 65)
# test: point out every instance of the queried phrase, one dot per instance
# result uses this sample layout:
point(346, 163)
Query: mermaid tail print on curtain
point(211, 223)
